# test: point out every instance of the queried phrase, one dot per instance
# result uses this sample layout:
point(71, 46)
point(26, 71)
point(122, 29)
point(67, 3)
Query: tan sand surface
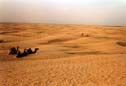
point(69, 55)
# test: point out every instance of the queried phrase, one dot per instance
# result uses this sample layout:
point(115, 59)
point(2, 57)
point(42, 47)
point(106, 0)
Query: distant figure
point(29, 51)
point(82, 34)
point(87, 35)
point(13, 50)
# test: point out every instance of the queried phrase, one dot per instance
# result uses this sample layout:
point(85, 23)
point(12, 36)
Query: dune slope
point(69, 55)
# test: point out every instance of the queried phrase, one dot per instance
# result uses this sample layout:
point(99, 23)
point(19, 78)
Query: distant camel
point(26, 52)
point(84, 35)
point(20, 55)
point(29, 51)
point(13, 50)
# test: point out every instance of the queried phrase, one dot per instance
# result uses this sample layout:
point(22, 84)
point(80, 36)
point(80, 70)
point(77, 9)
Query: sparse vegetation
point(121, 43)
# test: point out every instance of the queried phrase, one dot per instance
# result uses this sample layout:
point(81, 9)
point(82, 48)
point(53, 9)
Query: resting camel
point(20, 55)
point(13, 50)
point(29, 51)
point(26, 52)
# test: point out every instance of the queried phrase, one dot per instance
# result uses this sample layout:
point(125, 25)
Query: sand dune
point(66, 56)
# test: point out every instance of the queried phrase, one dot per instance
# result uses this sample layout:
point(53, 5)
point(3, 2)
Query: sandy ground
point(69, 55)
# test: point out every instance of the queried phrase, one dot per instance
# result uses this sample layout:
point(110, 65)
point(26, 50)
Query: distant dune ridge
point(69, 55)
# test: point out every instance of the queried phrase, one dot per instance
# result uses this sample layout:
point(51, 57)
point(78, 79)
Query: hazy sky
point(88, 12)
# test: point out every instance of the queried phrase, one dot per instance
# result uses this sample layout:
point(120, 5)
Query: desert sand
point(69, 55)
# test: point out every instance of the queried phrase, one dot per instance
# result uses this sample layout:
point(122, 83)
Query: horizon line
point(62, 24)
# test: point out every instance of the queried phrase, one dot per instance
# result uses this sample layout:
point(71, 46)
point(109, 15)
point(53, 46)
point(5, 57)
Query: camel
point(13, 50)
point(20, 55)
point(26, 52)
point(84, 35)
point(29, 51)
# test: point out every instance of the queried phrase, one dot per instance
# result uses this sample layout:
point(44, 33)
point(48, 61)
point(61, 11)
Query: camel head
point(36, 49)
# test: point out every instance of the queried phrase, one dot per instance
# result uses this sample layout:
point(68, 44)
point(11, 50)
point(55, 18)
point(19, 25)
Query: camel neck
point(35, 51)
